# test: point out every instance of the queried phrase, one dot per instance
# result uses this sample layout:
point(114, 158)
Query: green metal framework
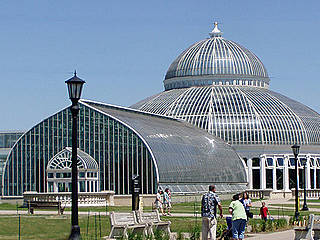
point(118, 150)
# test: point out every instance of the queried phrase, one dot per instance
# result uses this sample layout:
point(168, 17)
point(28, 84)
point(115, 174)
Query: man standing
point(209, 204)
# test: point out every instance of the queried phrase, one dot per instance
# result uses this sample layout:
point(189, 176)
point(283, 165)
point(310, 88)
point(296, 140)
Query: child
point(264, 212)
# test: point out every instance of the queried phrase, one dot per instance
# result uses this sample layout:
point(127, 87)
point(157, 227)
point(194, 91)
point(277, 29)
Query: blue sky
point(123, 48)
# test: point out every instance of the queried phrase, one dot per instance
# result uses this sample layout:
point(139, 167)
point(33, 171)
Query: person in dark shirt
point(209, 203)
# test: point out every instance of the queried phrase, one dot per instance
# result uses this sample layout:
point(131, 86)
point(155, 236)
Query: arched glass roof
point(183, 154)
point(239, 115)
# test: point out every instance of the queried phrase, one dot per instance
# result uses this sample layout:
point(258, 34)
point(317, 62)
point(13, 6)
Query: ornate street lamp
point(295, 150)
point(74, 88)
point(305, 207)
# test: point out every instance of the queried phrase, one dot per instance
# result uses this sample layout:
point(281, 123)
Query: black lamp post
point(295, 150)
point(74, 88)
point(305, 207)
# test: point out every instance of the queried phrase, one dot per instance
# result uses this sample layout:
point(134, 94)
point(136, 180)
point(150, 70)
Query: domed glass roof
point(216, 61)
point(222, 87)
point(239, 114)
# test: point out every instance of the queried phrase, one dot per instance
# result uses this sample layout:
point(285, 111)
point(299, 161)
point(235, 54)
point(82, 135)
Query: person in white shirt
point(158, 201)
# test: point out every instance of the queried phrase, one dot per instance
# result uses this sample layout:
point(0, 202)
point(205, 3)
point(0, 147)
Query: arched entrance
point(59, 172)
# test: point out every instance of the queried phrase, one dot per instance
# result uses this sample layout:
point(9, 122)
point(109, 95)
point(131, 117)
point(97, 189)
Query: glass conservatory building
point(222, 87)
point(216, 122)
point(114, 144)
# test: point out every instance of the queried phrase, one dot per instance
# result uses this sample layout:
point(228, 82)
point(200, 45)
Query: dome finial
point(216, 31)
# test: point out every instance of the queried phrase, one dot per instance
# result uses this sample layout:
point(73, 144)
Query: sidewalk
point(285, 235)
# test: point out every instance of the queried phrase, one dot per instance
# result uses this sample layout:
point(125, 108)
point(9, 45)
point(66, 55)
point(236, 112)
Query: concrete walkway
point(285, 235)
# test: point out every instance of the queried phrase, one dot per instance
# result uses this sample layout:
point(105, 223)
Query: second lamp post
point(295, 150)
point(305, 207)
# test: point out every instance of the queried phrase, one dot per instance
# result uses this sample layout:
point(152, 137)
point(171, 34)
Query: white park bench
point(152, 219)
point(312, 227)
point(316, 227)
point(121, 223)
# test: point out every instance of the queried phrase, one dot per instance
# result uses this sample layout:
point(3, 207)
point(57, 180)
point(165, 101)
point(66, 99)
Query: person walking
point(247, 204)
point(209, 203)
point(167, 201)
point(239, 218)
point(158, 201)
point(264, 212)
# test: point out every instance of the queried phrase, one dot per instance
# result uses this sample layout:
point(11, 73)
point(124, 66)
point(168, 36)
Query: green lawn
point(58, 227)
point(50, 227)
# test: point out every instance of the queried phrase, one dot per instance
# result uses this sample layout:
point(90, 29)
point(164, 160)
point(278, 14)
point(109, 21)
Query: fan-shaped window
point(59, 172)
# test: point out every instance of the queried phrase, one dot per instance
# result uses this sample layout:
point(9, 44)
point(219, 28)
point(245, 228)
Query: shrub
point(281, 223)
point(161, 235)
point(195, 232)
point(269, 226)
point(259, 225)
point(220, 229)
point(291, 221)
point(134, 236)
point(254, 226)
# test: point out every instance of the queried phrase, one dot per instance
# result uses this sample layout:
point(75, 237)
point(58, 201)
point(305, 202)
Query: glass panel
point(318, 178)
point(82, 186)
point(269, 162)
point(66, 175)
point(256, 178)
point(311, 162)
point(292, 182)
point(292, 162)
point(269, 178)
point(280, 162)
point(256, 162)
point(50, 187)
point(279, 179)
point(301, 178)
point(312, 178)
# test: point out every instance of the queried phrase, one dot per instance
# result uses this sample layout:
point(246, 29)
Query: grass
point(51, 227)
point(8, 206)
point(58, 227)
